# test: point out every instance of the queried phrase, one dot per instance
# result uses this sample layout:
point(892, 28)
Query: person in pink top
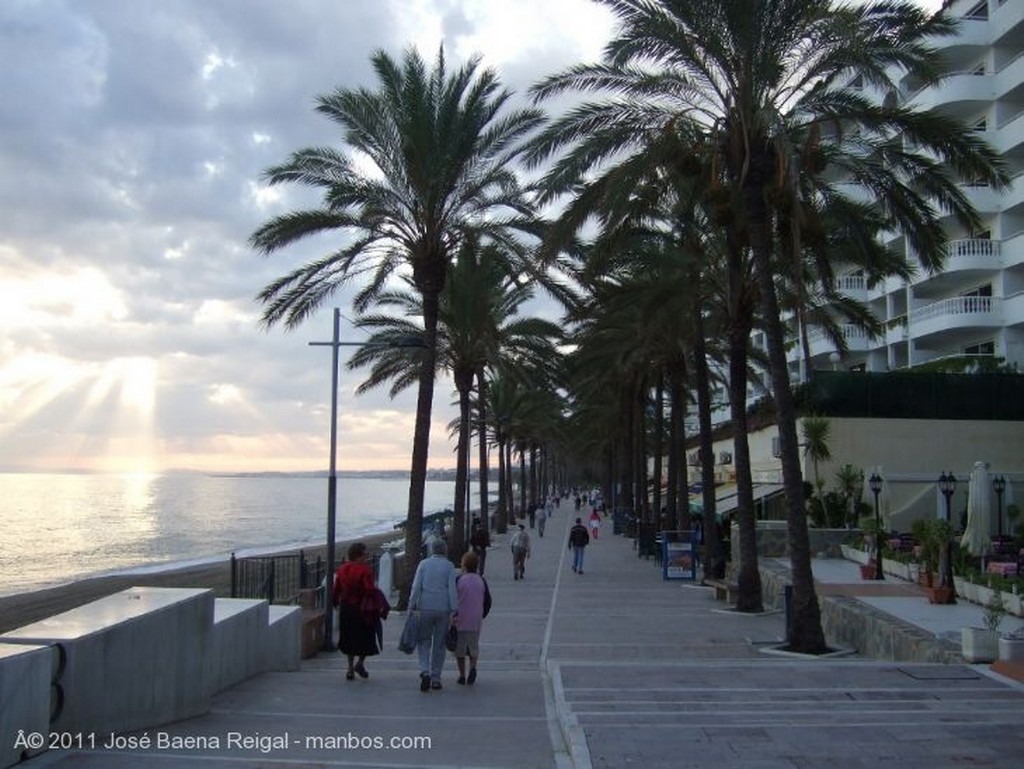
point(472, 590)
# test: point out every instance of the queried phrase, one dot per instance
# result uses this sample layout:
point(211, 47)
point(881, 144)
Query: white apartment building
point(975, 306)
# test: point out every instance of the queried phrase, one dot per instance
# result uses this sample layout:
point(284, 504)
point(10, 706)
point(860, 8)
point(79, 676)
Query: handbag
point(410, 633)
point(451, 638)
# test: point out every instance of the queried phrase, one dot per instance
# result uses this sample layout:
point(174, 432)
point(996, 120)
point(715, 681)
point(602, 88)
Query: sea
point(60, 527)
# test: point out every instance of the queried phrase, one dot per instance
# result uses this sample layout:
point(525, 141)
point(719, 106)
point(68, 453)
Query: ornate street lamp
point(999, 486)
point(875, 484)
point(947, 485)
point(332, 479)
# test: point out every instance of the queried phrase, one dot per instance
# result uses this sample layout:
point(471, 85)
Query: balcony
point(853, 286)
point(965, 255)
point(857, 340)
point(958, 87)
point(955, 314)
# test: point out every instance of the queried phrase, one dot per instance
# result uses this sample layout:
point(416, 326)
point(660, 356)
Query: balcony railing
point(974, 247)
point(955, 306)
point(850, 283)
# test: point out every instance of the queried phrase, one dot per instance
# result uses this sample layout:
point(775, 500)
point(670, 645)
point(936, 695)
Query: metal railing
point(276, 578)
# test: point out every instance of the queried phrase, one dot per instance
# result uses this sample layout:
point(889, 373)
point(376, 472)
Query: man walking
point(542, 518)
point(520, 552)
point(578, 540)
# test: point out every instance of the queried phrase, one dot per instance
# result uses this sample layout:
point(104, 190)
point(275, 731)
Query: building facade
point(972, 312)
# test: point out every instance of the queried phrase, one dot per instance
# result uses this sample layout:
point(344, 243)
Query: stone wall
point(851, 624)
point(773, 540)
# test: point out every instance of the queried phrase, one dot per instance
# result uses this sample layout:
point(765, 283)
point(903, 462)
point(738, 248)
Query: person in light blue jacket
point(434, 595)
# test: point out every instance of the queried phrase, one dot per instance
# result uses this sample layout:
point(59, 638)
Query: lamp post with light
point(875, 484)
point(999, 486)
point(947, 485)
point(332, 478)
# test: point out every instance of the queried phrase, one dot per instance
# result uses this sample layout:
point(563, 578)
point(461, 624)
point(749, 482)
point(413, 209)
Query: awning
point(726, 501)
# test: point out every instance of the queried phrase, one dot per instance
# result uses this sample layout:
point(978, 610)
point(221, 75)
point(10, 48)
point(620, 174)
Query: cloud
point(133, 137)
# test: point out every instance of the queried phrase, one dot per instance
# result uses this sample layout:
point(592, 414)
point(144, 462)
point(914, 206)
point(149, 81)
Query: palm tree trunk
point(676, 456)
point(714, 561)
point(420, 445)
point(501, 514)
point(749, 578)
point(659, 429)
point(804, 631)
point(481, 389)
point(458, 543)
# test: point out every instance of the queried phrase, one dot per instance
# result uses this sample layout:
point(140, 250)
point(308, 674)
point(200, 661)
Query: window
point(980, 125)
point(725, 457)
point(979, 11)
point(776, 446)
point(985, 290)
point(985, 348)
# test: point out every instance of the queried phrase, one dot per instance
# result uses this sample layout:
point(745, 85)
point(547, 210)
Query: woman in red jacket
point(359, 633)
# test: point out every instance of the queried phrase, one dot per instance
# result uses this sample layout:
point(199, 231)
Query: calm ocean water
point(54, 528)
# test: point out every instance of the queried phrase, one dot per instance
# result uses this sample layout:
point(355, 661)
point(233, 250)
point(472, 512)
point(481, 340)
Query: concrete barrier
point(26, 671)
point(284, 642)
point(134, 659)
point(238, 648)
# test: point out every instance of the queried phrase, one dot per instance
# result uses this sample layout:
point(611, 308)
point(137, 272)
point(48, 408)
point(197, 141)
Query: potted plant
point(1011, 646)
point(936, 552)
point(870, 532)
point(927, 551)
point(982, 644)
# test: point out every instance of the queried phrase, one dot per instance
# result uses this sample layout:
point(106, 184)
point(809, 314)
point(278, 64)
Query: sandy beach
point(25, 608)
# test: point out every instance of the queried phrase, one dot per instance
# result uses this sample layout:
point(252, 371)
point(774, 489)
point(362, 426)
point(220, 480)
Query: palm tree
point(816, 432)
point(442, 146)
point(764, 77)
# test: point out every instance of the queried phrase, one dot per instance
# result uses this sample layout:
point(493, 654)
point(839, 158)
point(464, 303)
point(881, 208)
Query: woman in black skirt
point(359, 630)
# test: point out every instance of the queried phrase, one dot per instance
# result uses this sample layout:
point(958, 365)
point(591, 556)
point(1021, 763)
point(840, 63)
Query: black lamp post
point(875, 484)
point(332, 478)
point(999, 486)
point(947, 485)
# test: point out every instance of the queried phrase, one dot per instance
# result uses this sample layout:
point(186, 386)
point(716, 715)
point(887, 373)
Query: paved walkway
point(610, 669)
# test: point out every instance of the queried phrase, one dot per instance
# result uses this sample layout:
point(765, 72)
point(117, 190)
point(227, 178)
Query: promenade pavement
point(609, 669)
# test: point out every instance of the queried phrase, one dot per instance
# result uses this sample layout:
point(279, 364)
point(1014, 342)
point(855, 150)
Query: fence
point(914, 395)
point(279, 578)
point(276, 578)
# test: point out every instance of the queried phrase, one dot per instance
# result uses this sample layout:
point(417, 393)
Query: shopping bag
point(410, 633)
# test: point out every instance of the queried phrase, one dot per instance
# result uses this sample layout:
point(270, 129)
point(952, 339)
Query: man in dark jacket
point(578, 540)
point(479, 541)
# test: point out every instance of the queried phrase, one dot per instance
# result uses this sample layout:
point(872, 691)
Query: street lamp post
point(875, 484)
point(332, 478)
point(947, 485)
point(999, 486)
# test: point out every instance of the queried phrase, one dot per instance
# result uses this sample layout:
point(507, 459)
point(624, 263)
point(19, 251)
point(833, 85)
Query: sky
point(133, 136)
point(132, 140)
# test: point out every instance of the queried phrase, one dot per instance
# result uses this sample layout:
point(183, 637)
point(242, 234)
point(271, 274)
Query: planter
point(1012, 603)
point(867, 571)
point(925, 578)
point(1011, 649)
point(853, 554)
point(979, 644)
point(940, 595)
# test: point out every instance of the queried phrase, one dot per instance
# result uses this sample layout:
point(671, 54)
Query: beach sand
point(25, 608)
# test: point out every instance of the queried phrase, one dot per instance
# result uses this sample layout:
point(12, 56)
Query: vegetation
point(713, 158)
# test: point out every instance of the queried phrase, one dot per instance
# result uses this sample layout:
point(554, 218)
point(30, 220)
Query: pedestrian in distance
point(472, 591)
point(361, 606)
point(520, 552)
point(542, 519)
point(578, 541)
point(595, 523)
point(479, 541)
point(433, 594)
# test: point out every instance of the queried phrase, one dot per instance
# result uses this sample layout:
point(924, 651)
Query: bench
point(724, 591)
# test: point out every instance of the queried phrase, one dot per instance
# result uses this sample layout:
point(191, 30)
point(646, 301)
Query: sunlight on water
point(57, 527)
